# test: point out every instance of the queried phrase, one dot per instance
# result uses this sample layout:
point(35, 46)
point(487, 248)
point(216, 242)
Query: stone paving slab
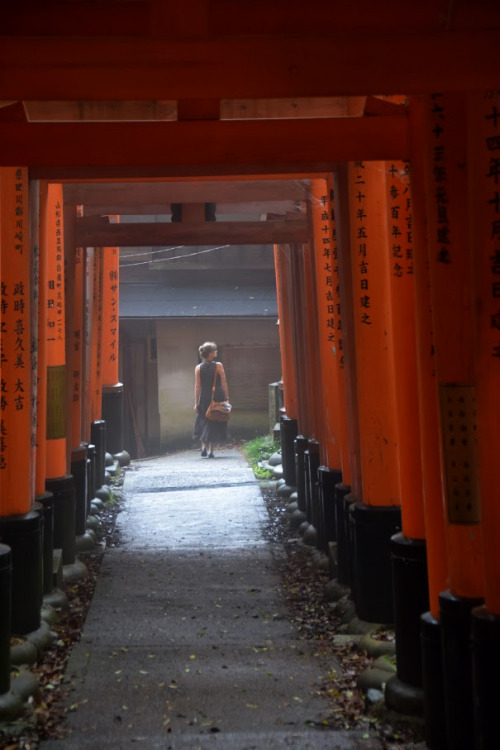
point(188, 643)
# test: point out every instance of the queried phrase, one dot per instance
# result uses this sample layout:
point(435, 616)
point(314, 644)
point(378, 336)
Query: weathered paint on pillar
point(34, 203)
point(450, 258)
point(345, 263)
point(77, 350)
point(323, 263)
point(110, 304)
point(401, 283)
point(88, 259)
point(96, 373)
point(15, 344)
point(56, 463)
point(484, 196)
point(435, 532)
point(299, 338)
point(338, 341)
point(373, 332)
point(285, 331)
point(306, 340)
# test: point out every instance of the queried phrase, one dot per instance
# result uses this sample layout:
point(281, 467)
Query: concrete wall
point(249, 350)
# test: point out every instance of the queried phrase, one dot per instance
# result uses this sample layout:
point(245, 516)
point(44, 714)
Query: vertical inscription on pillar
point(56, 402)
point(458, 419)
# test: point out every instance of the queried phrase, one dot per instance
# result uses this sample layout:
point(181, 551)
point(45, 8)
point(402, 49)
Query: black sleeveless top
point(207, 372)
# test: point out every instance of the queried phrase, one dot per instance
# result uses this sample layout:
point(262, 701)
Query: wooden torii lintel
point(97, 232)
point(305, 145)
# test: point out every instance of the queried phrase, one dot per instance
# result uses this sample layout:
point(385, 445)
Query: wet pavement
point(188, 643)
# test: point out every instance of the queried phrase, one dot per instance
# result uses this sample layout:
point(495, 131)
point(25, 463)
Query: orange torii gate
point(456, 229)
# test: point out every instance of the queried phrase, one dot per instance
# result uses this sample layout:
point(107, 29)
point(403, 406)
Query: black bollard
point(63, 490)
point(432, 679)
point(312, 461)
point(411, 600)
point(403, 692)
point(288, 433)
point(91, 476)
point(455, 618)
point(327, 480)
point(23, 534)
point(79, 473)
point(485, 671)
point(46, 502)
point(5, 616)
point(300, 471)
point(372, 528)
point(112, 414)
point(98, 438)
point(343, 499)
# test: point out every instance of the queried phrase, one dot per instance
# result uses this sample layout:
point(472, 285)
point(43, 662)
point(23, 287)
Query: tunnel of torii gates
point(388, 291)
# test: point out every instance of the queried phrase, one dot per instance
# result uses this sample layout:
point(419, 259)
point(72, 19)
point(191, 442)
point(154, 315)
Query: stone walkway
point(187, 644)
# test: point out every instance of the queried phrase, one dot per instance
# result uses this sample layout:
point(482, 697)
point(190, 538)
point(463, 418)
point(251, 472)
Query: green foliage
point(257, 450)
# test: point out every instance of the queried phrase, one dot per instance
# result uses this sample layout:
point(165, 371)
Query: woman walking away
point(208, 432)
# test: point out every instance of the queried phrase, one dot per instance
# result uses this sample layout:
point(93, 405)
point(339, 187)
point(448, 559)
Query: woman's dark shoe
point(203, 453)
point(211, 455)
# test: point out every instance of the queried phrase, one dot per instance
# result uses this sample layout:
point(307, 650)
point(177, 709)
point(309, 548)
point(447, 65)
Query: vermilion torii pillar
point(307, 364)
point(329, 472)
point(93, 363)
point(376, 514)
point(20, 527)
point(484, 197)
point(288, 420)
point(59, 481)
point(112, 389)
point(408, 549)
point(76, 448)
point(437, 562)
point(452, 298)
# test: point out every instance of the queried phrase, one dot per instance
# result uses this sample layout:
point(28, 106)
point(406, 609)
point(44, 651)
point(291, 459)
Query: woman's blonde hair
point(207, 348)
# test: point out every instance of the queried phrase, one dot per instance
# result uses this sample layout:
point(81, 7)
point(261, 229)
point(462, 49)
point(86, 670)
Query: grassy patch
point(258, 450)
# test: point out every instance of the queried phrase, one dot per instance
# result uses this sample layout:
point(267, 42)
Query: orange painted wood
point(484, 196)
point(110, 322)
point(295, 145)
point(134, 17)
point(373, 335)
point(254, 66)
point(346, 260)
point(77, 341)
point(289, 375)
point(15, 344)
point(324, 261)
point(201, 191)
point(87, 365)
point(435, 529)
point(338, 344)
point(401, 286)
point(96, 343)
point(55, 335)
point(450, 259)
point(305, 341)
point(41, 398)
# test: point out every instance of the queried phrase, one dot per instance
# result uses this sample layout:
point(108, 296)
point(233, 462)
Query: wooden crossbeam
point(94, 232)
point(259, 66)
point(164, 193)
point(303, 145)
point(222, 209)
